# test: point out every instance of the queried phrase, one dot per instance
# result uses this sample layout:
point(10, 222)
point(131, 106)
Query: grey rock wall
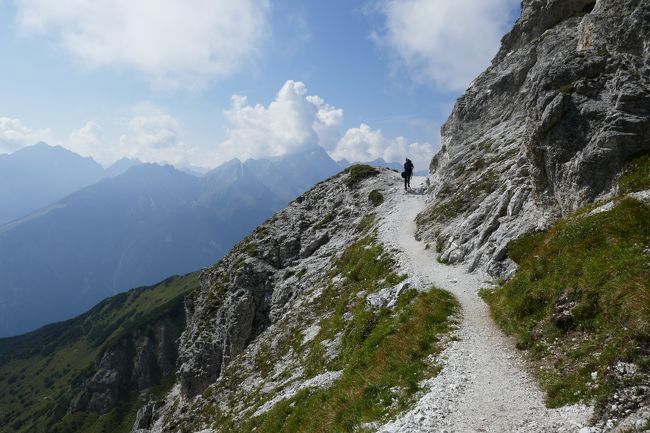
point(137, 361)
point(546, 128)
point(249, 289)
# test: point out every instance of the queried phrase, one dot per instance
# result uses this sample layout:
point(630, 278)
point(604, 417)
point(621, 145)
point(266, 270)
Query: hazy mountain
point(38, 175)
point(135, 229)
point(120, 166)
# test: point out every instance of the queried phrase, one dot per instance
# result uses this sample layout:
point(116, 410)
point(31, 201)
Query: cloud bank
point(172, 42)
point(367, 144)
point(295, 121)
point(440, 42)
point(14, 135)
point(154, 137)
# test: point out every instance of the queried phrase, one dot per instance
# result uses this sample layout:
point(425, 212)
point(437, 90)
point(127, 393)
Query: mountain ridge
point(135, 228)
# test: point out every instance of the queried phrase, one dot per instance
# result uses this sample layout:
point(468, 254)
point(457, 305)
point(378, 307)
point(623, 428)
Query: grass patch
point(325, 221)
point(443, 211)
point(636, 176)
point(580, 301)
point(567, 88)
point(366, 223)
point(357, 173)
point(385, 358)
point(375, 197)
point(383, 354)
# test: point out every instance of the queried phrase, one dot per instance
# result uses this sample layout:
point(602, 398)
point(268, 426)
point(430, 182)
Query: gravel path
point(484, 385)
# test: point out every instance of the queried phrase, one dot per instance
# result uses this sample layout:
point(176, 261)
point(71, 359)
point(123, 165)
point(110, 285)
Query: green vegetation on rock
point(357, 173)
point(636, 176)
point(375, 197)
point(383, 353)
point(580, 300)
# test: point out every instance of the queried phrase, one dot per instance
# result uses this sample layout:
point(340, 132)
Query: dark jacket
point(408, 166)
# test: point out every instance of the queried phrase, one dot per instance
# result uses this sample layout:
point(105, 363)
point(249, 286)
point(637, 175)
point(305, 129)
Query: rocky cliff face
point(547, 128)
point(257, 308)
point(137, 361)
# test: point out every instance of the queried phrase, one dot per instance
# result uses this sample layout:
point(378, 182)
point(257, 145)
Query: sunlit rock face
point(547, 128)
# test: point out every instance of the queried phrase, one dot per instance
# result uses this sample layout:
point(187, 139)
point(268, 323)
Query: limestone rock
point(545, 129)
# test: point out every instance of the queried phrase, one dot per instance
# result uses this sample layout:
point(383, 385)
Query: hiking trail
point(485, 385)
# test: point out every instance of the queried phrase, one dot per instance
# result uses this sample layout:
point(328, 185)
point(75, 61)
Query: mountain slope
point(38, 175)
point(544, 130)
point(306, 311)
point(46, 372)
point(136, 228)
point(122, 232)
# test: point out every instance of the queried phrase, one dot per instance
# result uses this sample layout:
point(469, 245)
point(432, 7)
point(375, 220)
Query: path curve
point(484, 385)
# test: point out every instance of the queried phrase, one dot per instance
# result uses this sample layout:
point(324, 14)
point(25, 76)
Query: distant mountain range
point(38, 175)
point(135, 228)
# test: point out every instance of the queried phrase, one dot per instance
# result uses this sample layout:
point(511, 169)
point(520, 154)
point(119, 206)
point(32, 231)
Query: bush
point(357, 173)
point(375, 197)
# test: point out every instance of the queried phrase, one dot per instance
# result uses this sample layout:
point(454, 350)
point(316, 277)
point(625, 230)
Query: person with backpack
point(408, 172)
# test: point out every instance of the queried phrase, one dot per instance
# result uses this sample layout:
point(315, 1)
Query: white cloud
point(442, 42)
point(172, 42)
point(366, 144)
point(292, 122)
point(295, 121)
point(88, 141)
point(154, 136)
point(14, 135)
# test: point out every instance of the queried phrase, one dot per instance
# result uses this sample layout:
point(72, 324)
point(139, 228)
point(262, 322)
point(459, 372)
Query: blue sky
point(197, 82)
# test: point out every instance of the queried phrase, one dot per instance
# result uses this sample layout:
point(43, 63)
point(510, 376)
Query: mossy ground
point(597, 265)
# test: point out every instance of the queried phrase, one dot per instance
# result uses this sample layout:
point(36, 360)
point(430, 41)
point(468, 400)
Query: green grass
point(37, 369)
point(357, 173)
point(366, 223)
point(385, 358)
point(636, 176)
point(375, 197)
point(599, 263)
point(443, 211)
point(383, 354)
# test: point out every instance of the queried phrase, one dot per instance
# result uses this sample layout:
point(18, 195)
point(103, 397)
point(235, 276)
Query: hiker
point(408, 172)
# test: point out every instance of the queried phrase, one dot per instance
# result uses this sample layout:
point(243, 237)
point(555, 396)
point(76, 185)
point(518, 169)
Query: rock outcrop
point(257, 300)
point(545, 129)
point(137, 361)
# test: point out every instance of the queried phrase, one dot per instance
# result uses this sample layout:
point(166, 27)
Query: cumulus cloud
point(172, 42)
point(441, 42)
point(366, 144)
point(14, 135)
point(154, 137)
point(292, 122)
point(89, 141)
point(295, 121)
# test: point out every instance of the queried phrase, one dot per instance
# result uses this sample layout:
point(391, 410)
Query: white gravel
point(485, 385)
